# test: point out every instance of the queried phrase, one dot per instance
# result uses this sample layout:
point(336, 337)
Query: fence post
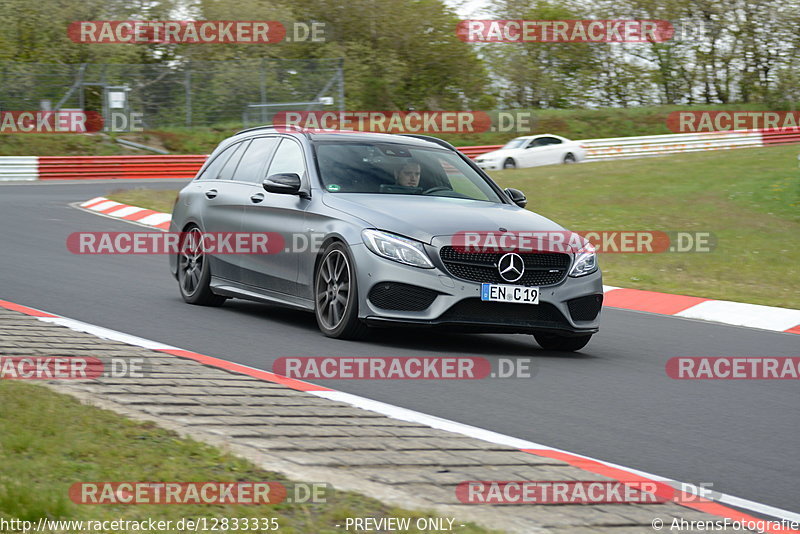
point(263, 80)
point(188, 87)
point(341, 84)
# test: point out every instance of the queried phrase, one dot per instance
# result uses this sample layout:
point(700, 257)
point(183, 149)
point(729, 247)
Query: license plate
point(509, 293)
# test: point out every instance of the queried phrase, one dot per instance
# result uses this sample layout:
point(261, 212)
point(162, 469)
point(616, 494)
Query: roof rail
point(265, 126)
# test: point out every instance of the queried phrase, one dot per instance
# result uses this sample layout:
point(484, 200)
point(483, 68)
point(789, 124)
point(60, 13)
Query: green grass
point(154, 199)
point(749, 199)
point(48, 441)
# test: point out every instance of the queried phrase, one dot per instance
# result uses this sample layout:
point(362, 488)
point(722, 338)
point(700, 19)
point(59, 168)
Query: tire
point(194, 272)
point(336, 294)
point(509, 163)
point(569, 157)
point(561, 343)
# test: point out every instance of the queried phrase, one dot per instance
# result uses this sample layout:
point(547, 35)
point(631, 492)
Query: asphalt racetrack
point(612, 401)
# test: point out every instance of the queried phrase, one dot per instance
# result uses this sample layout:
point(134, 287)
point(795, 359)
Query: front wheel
point(561, 343)
point(509, 164)
point(336, 295)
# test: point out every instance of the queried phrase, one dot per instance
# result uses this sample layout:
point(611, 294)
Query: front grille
point(585, 308)
point(402, 297)
point(541, 268)
point(477, 311)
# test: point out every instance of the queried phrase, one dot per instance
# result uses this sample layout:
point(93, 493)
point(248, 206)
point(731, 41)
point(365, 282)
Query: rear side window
point(251, 168)
point(230, 166)
point(212, 171)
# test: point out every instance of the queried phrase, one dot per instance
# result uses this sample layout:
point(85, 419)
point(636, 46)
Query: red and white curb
point(143, 216)
point(718, 311)
point(689, 499)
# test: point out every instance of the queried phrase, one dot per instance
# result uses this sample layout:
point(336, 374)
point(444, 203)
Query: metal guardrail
point(140, 146)
point(119, 167)
point(780, 137)
point(19, 168)
point(656, 145)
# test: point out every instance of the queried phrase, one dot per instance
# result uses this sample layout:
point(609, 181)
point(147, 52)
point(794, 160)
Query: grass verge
point(48, 441)
point(154, 199)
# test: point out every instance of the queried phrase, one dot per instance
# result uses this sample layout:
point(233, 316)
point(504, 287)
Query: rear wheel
point(569, 158)
point(194, 273)
point(561, 343)
point(336, 295)
point(509, 164)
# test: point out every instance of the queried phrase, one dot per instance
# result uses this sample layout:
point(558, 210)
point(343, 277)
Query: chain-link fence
point(183, 94)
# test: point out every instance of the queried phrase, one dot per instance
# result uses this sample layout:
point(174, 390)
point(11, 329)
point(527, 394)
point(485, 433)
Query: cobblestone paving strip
point(309, 438)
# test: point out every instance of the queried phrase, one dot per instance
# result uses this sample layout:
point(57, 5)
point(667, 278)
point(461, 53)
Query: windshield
point(398, 169)
point(519, 142)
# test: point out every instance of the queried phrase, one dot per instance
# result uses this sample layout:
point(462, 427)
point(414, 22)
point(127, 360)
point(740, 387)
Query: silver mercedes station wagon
point(371, 230)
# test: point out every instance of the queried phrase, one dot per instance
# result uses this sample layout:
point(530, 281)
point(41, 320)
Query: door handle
point(258, 197)
point(211, 193)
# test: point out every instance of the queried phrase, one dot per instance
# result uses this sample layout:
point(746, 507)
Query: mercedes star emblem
point(511, 266)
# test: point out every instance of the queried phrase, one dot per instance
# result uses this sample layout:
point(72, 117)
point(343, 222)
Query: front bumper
point(457, 303)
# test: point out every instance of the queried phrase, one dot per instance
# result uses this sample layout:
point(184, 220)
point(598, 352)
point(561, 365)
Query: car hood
point(423, 218)
point(502, 153)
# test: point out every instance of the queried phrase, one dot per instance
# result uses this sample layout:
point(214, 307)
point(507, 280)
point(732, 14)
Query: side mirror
point(286, 183)
point(516, 196)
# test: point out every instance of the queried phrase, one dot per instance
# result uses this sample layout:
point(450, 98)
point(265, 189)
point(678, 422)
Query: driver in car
point(408, 174)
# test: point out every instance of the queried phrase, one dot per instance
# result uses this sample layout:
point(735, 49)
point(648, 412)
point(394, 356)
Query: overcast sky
point(466, 8)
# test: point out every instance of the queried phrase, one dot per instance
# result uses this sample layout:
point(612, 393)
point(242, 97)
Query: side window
point(255, 158)
point(551, 141)
point(230, 166)
point(212, 171)
point(288, 158)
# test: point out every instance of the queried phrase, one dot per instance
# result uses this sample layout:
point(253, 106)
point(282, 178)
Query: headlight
point(585, 261)
point(396, 248)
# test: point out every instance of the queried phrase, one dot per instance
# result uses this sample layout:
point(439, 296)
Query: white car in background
point(532, 151)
